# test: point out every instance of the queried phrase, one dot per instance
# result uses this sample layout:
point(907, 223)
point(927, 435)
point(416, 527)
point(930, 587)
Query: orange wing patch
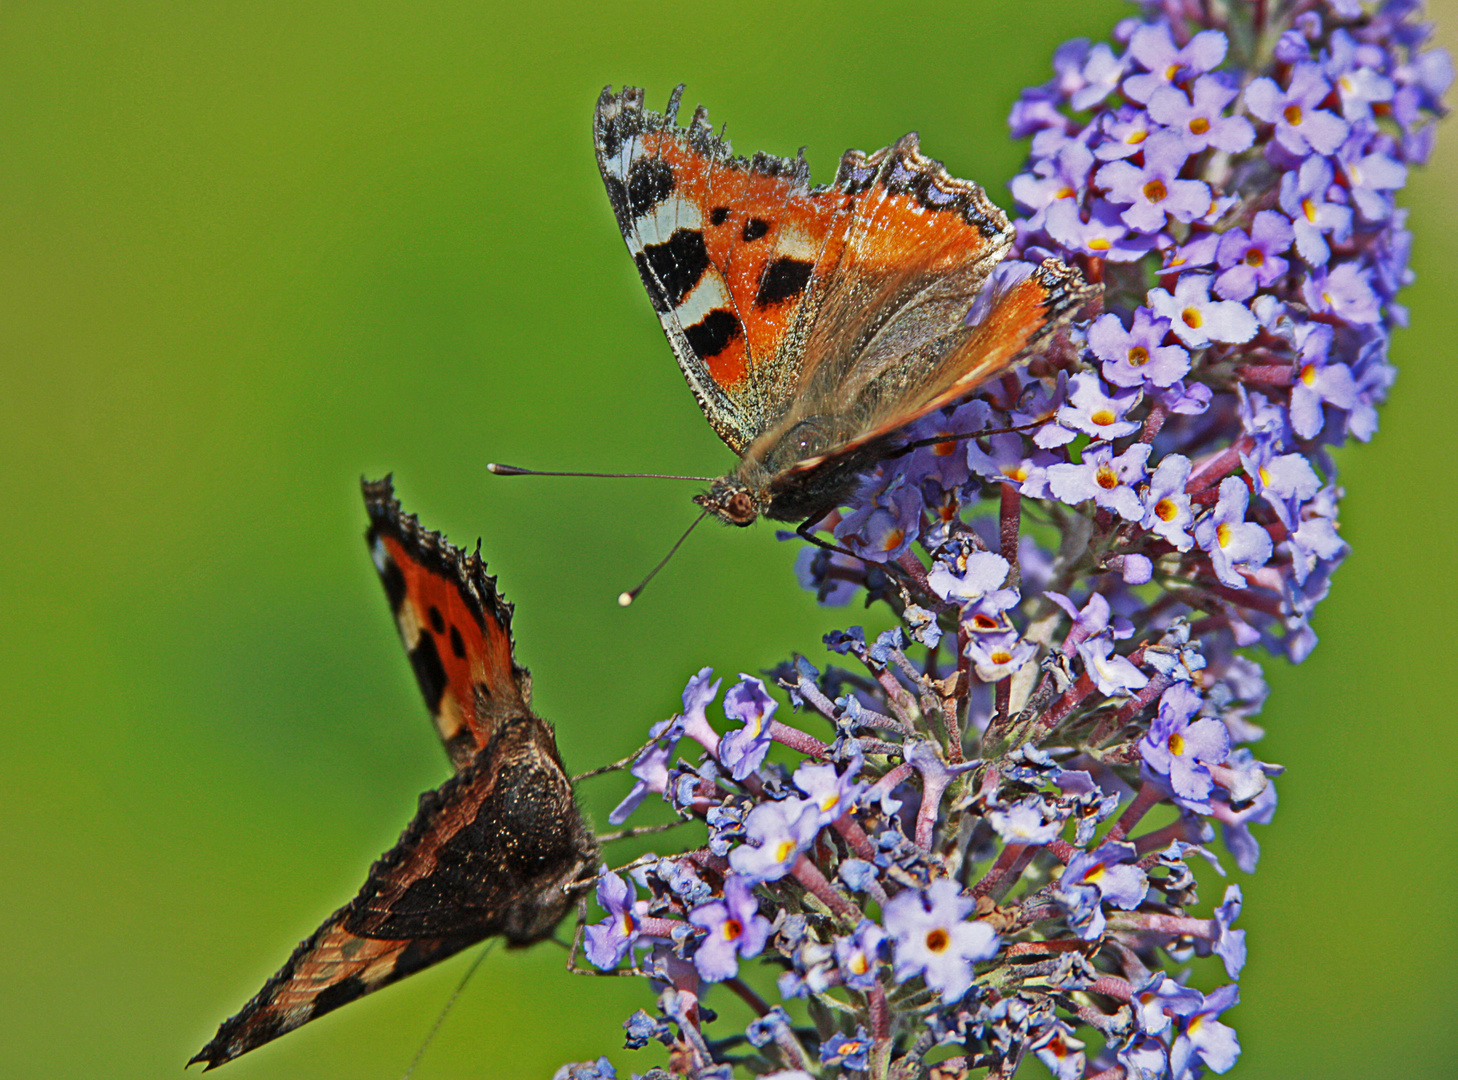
point(454, 625)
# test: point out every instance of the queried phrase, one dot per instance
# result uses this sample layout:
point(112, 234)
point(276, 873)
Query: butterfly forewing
point(454, 625)
point(728, 248)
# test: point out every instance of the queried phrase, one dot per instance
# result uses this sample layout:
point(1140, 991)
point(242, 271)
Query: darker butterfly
point(499, 849)
point(814, 323)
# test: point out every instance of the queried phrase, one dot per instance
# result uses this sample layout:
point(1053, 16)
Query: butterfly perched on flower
point(814, 323)
point(499, 849)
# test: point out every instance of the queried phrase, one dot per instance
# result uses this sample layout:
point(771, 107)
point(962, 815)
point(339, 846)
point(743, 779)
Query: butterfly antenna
point(624, 599)
point(446, 1011)
point(497, 469)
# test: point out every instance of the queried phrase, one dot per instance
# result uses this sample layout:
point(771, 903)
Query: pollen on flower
point(937, 940)
point(1166, 509)
point(1193, 318)
point(731, 929)
point(1255, 257)
point(1199, 125)
point(784, 850)
point(1292, 113)
point(984, 623)
point(1223, 533)
point(1138, 356)
point(1100, 243)
point(1155, 191)
point(1308, 374)
point(1106, 478)
point(1103, 417)
point(945, 449)
point(1176, 744)
point(893, 539)
point(1309, 210)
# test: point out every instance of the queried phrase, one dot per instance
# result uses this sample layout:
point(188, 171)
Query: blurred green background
point(251, 251)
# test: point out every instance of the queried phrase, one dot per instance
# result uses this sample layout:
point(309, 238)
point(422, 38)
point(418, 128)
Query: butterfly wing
point(499, 849)
point(732, 252)
point(454, 625)
point(892, 338)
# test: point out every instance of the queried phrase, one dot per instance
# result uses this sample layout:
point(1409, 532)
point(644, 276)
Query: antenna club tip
point(624, 599)
point(492, 467)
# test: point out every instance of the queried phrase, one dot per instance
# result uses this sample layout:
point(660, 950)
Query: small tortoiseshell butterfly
point(813, 323)
point(499, 849)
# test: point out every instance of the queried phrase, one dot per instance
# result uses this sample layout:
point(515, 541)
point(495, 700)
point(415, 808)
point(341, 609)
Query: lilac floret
point(1094, 411)
point(1206, 1038)
point(830, 794)
point(859, 955)
point(1300, 125)
point(1198, 118)
point(1100, 231)
point(650, 769)
point(1253, 260)
point(1168, 512)
point(1137, 356)
point(1104, 478)
point(1112, 674)
point(1306, 196)
point(742, 750)
point(782, 830)
point(1154, 48)
point(1154, 192)
point(934, 939)
point(733, 928)
point(1179, 749)
point(1345, 291)
point(1093, 879)
point(1198, 320)
point(609, 941)
point(1231, 540)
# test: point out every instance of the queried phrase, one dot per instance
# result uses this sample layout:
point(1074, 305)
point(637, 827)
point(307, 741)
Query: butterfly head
point(731, 501)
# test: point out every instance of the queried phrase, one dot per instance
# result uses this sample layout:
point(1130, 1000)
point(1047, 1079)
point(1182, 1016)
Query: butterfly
point(499, 849)
point(814, 323)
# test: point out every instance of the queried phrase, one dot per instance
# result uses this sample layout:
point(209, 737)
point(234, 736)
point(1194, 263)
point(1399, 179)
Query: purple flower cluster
point(961, 858)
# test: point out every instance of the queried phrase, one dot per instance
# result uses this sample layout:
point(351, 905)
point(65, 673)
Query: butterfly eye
point(741, 508)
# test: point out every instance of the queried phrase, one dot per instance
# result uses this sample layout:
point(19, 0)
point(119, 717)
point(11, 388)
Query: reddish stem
point(1071, 699)
point(1174, 925)
point(1266, 374)
point(880, 1014)
point(796, 739)
point(1212, 470)
point(1008, 868)
point(808, 874)
point(748, 996)
point(1158, 414)
point(1114, 987)
point(1149, 794)
point(1009, 522)
point(1054, 945)
point(656, 926)
point(1160, 839)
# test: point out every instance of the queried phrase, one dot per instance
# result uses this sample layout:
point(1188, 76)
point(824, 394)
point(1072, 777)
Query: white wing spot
point(709, 295)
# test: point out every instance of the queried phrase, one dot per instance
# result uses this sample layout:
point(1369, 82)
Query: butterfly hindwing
point(498, 849)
